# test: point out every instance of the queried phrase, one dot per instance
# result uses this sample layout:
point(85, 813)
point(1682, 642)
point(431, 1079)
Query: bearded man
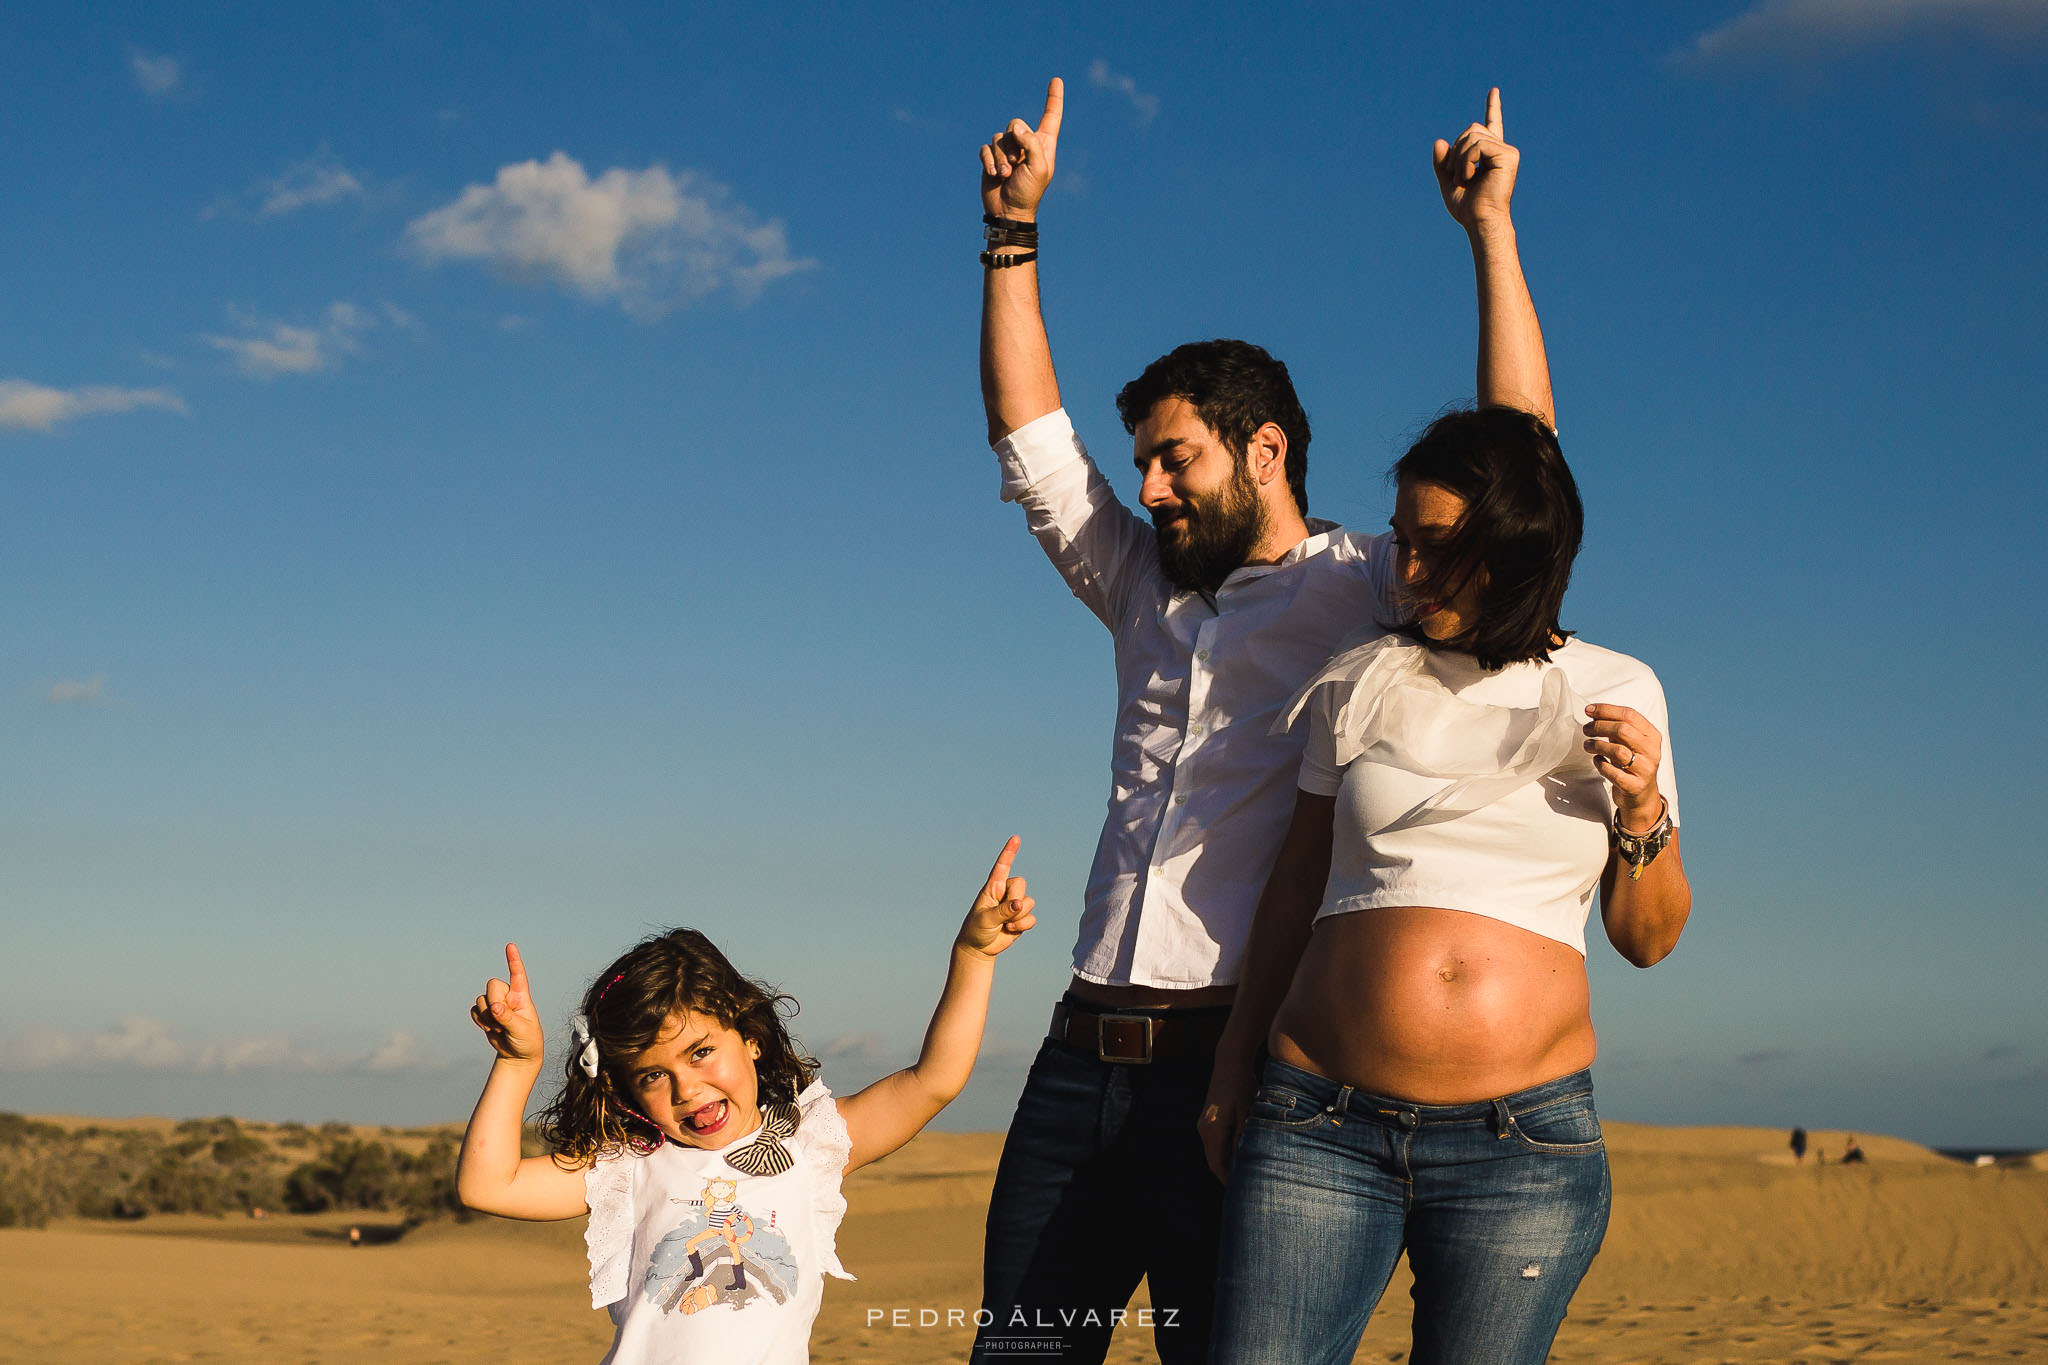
point(1221, 602)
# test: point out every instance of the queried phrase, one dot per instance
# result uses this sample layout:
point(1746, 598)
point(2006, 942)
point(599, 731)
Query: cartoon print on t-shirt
point(720, 1254)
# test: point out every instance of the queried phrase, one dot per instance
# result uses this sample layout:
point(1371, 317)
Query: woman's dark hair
point(1521, 526)
point(1235, 388)
point(629, 1004)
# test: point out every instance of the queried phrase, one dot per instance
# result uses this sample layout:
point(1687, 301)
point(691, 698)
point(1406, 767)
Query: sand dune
point(1720, 1250)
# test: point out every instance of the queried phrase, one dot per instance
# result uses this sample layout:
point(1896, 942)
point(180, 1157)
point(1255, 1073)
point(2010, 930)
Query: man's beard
point(1214, 538)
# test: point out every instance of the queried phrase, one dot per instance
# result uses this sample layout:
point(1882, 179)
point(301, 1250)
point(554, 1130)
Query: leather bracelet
point(998, 232)
point(992, 261)
point(1021, 224)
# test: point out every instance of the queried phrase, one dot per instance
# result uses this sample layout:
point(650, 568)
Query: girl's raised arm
point(491, 1177)
point(890, 1112)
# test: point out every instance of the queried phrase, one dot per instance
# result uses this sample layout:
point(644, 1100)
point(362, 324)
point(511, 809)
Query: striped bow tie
point(764, 1154)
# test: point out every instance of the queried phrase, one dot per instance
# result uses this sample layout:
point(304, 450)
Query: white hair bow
point(586, 1044)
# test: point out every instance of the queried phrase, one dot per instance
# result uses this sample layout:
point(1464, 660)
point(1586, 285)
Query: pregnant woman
point(1407, 1056)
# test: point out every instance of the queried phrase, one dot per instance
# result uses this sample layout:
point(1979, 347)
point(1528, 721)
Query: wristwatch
point(1640, 850)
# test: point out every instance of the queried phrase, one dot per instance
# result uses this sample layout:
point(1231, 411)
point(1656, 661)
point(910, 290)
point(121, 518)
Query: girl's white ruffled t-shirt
point(698, 1261)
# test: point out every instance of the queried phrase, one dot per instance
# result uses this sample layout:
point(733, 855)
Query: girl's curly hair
point(672, 973)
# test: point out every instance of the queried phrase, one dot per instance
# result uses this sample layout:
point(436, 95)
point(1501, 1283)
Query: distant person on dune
point(1799, 1144)
point(693, 1131)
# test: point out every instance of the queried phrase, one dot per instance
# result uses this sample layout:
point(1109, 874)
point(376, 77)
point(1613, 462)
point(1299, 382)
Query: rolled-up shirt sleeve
point(1096, 543)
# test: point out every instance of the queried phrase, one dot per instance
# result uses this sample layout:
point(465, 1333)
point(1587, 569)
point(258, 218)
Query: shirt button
point(1203, 655)
point(1180, 798)
point(1194, 729)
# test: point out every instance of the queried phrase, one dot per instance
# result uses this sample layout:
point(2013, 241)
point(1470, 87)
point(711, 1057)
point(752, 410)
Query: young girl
point(693, 1132)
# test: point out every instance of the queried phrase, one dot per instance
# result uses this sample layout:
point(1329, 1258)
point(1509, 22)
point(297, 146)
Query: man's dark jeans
point(1102, 1183)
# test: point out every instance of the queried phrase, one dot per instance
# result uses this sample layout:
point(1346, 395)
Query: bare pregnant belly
point(1435, 1006)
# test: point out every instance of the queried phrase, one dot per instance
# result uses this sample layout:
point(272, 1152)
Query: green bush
point(16, 1130)
point(23, 1201)
point(213, 1166)
point(237, 1149)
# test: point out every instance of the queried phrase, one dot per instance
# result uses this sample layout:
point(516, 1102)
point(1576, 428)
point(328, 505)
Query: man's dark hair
point(1522, 523)
point(1235, 388)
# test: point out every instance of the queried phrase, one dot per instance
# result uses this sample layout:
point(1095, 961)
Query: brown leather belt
point(1139, 1039)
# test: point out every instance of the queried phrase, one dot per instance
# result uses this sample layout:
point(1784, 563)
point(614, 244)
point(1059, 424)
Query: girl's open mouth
point(707, 1120)
point(1423, 609)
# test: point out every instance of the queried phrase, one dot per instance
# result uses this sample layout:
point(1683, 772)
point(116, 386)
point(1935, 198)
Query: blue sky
point(517, 472)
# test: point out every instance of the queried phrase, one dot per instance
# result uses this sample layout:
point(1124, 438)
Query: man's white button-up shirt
point(1200, 791)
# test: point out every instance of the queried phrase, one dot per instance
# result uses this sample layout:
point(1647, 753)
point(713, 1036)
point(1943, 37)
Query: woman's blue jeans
point(1500, 1205)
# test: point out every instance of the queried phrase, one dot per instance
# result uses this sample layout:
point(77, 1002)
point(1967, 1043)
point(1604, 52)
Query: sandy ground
point(1720, 1250)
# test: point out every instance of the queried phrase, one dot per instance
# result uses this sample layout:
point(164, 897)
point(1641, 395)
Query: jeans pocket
point(1564, 1126)
point(1276, 1107)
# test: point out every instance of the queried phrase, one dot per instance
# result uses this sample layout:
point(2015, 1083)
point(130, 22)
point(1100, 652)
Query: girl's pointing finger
point(1000, 873)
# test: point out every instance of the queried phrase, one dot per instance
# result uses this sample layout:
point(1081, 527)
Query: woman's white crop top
point(1467, 790)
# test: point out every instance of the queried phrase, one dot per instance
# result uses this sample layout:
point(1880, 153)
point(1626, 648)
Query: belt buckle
point(1102, 1052)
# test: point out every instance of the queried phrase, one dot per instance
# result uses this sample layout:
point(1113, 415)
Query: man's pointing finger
point(1055, 108)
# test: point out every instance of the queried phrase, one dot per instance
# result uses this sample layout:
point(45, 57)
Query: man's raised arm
point(1476, 174)
point(1017, 380)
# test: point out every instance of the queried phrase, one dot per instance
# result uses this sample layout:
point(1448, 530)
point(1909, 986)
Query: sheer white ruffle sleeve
point(1391, 701)
point(608, 1189)
point(825, 1146)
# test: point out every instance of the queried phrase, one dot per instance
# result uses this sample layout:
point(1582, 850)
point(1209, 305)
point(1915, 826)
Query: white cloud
point(268, 349)
point(316, 182)
point(648, 240)
point(138, 1041)
point(1102, 78)
point(860, 1049)
point(28, 406)
point(515, 322)
point(157, 77)
point(79, 692)
point(1811, 28)
point(399, 1052)
point(319, 179)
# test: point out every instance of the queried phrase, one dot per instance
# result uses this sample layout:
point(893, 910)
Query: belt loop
point(1502, 1119)
point(1342, 1103)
